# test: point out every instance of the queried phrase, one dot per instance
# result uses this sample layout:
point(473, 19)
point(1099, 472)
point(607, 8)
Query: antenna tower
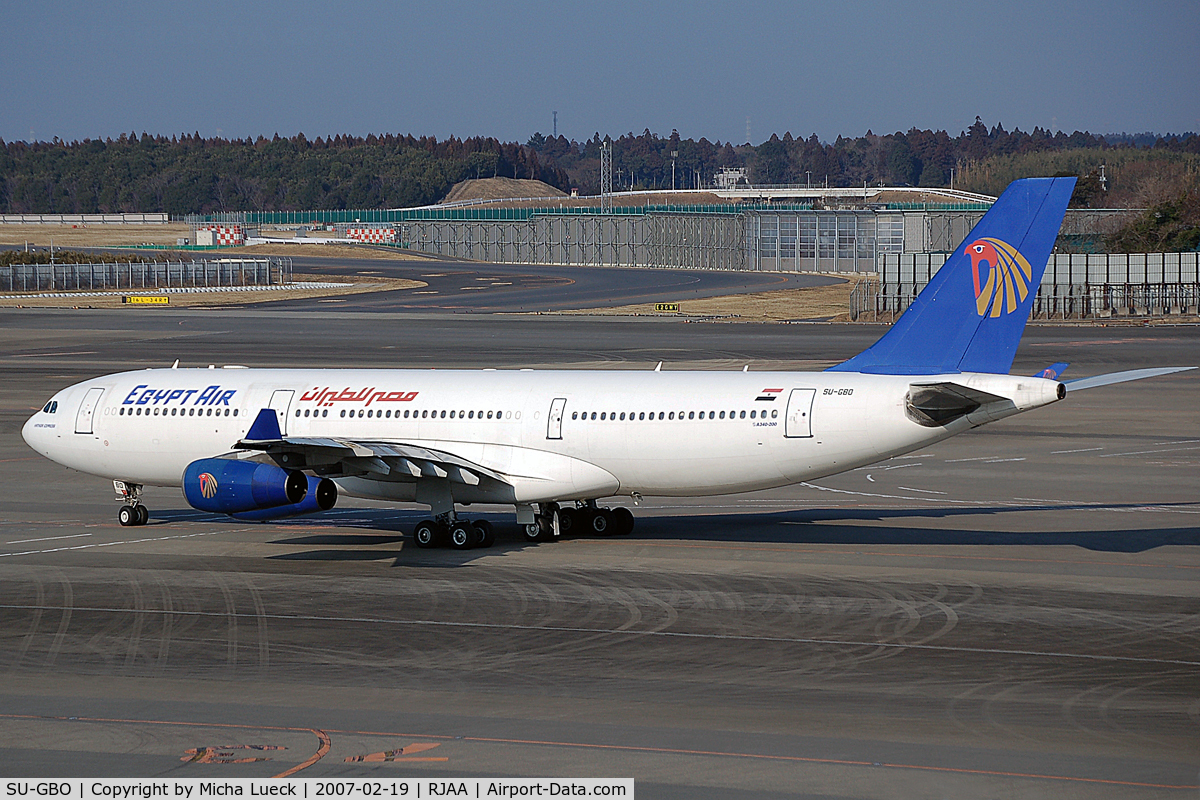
point(606, 189)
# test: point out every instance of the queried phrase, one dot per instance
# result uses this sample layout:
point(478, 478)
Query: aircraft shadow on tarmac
point(386, 532)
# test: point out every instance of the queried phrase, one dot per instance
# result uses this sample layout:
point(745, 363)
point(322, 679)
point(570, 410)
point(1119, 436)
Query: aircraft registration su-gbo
point(262, 444)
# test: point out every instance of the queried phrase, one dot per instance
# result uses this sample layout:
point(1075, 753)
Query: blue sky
point(76, 70)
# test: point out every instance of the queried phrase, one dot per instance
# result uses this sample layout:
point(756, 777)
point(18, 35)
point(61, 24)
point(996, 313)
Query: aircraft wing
point(334, 457)
point(1120, 377)
point(504, 471)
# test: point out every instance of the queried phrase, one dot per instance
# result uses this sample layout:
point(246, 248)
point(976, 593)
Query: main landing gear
point(585, 518)
point(446, 530)
point(133, 512)
point(551, 522)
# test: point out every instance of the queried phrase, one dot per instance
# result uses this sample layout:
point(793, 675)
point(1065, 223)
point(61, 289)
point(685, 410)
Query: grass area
point(94, 235)
point(813, 303)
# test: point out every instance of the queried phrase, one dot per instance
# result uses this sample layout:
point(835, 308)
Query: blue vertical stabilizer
point(971, 315)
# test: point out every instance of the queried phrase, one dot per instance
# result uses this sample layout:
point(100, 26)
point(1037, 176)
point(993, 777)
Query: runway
point(1014, 613)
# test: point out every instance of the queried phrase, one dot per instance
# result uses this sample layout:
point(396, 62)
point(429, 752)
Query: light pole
point(808, 179)
point(674, 155)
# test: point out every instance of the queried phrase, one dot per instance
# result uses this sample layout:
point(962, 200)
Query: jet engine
point(228, 486)
point(321, 496)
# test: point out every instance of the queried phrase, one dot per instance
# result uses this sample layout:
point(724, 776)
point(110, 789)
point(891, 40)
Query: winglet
point(265, 427)
point(1054, 371)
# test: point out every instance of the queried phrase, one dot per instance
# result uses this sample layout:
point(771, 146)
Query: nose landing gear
point(133, 512)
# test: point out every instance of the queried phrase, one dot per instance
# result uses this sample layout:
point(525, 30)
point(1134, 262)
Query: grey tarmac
point(1013, 613)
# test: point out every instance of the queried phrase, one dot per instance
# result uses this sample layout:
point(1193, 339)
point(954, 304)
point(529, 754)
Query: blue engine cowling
point(321, 496)
point(227, 486)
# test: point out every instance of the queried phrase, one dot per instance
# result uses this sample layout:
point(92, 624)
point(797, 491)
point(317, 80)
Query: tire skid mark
point(34, 624)
point(64, 621)
point(260, 615)
point(168, 622)
point(139, 619)
point(231, 614)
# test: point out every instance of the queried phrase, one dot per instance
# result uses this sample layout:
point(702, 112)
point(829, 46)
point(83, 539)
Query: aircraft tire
point(600, 522)
point(143, 515)
point(538, 530)
point(426, 534)
point(462, 536)
point(622, 521)
point(568, 519)
point(485, 535)
point(128, 516)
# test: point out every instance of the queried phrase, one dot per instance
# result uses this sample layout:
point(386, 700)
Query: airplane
point(262, 444)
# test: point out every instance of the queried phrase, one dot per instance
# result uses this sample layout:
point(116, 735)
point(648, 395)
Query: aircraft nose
point(27, 431)
point(34, 436)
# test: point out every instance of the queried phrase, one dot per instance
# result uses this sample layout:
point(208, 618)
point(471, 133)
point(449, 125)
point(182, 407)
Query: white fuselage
point(554, 435)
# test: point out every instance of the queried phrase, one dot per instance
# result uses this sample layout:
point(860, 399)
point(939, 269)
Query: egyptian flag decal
point(769, 394)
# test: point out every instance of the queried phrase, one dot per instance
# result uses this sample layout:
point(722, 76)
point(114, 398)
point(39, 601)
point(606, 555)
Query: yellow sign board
point(666, 306)
point(146, 299)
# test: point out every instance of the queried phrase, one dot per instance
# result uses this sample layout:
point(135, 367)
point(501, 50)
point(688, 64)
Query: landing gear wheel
point(538, 530)
point(485, 536)
point(568, 518)
point(128, 515)
point(143, 515)
point(426, 534)
point(462, 536)
point(601, 523)
point(622, 519)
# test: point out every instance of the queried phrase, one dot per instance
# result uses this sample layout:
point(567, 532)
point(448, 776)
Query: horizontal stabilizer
point(1053, 372)
point(1121, 377)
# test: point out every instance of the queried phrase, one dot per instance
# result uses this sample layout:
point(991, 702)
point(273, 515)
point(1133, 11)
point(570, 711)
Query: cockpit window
point(51, 407)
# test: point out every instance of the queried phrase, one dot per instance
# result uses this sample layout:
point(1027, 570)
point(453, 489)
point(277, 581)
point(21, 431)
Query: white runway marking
point(113, 544)
point(48, 538)
point(1084, 450)
point(910, 489)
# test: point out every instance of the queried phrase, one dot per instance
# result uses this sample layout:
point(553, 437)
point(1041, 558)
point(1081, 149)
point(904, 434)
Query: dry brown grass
point(215, 299)
point(815, 303)
point(94, 235)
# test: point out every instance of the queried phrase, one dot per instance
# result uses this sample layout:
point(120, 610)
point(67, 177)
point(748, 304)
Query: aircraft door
point(281, 401)
point(798, 422)
point(554, 423)
point(87, 410)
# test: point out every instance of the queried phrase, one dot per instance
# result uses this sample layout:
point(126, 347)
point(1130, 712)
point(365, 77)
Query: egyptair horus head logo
point(208, 485)
point(1002, 276)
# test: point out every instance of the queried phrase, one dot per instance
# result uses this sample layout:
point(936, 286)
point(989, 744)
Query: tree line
point(193, 174)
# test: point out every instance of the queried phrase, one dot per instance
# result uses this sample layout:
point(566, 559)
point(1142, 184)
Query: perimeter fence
point(146, 275)
point(1074, 286)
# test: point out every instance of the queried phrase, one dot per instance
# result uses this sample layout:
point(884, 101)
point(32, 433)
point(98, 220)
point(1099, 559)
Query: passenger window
point(360, 413)
point(743, 415)
point(451, 415)
point(443, 415)
point(297, 412)
point(575, 415)
point(691, 415)
point(603, 414)
point(622, 416)
point(489, 415)
point(722, 415)
point(642, 415)
point(343, 412)
point(774, 413)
